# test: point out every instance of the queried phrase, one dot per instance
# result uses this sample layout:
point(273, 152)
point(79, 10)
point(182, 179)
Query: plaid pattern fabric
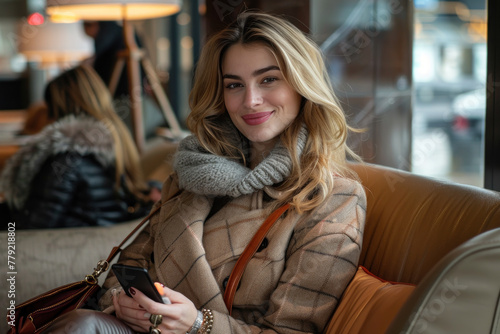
point(292, 285)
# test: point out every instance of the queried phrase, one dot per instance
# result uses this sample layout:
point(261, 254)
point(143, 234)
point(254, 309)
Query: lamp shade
point(54, 43)
point(105, 10)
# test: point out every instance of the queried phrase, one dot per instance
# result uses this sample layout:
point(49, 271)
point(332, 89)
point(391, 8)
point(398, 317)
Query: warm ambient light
point(64, 18)
point(112, 9)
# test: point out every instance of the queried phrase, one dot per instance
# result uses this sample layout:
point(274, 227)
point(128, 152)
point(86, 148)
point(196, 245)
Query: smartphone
point(138, 278)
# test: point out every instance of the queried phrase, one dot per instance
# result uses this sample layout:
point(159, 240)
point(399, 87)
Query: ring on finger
point(155, 320)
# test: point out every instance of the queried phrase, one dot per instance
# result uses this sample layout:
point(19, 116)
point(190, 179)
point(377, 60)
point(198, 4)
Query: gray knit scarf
point(207, 174)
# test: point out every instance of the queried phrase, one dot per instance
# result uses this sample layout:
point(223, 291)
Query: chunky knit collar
point(207, 174)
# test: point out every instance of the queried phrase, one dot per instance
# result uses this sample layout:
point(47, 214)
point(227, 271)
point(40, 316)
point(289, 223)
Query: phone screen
point(138, 278)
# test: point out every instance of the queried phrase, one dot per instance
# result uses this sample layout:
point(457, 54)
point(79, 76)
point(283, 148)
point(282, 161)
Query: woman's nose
point(253, 97)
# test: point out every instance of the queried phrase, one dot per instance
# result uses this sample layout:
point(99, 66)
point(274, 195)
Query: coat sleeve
point(52, 191)
point(321, 260)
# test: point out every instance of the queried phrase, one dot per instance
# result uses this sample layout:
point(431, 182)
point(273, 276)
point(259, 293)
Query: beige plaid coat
point(291, 285)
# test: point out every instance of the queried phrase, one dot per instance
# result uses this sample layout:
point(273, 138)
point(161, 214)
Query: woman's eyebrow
point(265, 69)
point(254, 73)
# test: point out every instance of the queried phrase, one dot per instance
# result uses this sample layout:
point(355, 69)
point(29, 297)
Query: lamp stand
point(133, 56)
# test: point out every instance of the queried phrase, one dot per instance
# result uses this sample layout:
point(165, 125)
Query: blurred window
point(449, 80)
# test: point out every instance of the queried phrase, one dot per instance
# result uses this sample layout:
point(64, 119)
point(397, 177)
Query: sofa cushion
point(368, 305)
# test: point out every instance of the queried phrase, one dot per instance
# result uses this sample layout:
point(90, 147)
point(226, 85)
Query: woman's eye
point(233, 85)
point(269, 80)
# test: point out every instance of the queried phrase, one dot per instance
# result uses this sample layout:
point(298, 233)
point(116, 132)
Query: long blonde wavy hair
point(80, 91)
point(301, 62)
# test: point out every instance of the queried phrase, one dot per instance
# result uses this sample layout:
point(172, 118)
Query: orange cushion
point(368, 305)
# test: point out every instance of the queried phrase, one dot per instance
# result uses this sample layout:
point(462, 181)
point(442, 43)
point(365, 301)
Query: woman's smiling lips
point(257, 118)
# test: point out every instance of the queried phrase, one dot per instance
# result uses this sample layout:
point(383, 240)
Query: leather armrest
point(412, 221)
point(461, 294)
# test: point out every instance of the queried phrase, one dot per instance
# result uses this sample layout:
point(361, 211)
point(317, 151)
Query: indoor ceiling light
point(112, 9)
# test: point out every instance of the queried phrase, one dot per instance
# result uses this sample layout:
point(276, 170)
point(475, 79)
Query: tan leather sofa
point(421, 231)
point(441, 238)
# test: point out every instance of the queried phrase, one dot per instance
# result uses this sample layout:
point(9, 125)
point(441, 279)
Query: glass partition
point(449, 79)
point(413, 74)
point(368, 49)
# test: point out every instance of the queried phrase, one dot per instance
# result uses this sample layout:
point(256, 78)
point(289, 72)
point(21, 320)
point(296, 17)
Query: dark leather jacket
point(66, 178)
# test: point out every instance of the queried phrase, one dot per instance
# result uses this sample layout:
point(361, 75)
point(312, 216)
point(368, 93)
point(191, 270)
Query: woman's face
point(259, 101)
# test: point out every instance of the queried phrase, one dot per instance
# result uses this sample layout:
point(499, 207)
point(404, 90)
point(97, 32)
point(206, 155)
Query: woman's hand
point(178, 317)
point(130, 312)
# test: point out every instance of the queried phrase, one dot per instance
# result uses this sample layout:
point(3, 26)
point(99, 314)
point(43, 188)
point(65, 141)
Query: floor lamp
point(132, 56)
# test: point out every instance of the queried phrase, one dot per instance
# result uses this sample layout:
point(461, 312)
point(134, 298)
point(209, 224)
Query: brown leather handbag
point(34, 315)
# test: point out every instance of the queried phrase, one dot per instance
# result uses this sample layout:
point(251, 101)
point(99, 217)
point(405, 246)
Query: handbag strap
point(103, 265)
point(239, 268)
point(117, 249)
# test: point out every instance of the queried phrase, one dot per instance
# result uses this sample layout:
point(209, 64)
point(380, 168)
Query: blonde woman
point(83, 168)
point(268, 130)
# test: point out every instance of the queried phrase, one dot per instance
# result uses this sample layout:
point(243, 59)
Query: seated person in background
point(80, 170)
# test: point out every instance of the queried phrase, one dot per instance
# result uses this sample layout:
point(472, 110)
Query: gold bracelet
point(208, 322)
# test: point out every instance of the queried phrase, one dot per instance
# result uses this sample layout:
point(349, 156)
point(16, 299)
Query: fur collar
point(82, 135)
